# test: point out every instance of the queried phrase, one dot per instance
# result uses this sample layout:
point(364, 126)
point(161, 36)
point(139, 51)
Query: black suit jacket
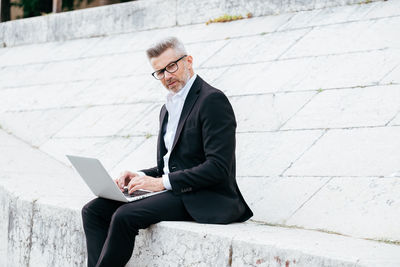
point(202, 161)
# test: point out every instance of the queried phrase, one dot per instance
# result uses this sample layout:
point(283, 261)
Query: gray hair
point(162, 45)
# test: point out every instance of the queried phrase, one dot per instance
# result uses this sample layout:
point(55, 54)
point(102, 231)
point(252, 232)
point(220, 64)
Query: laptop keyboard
point(135, 194)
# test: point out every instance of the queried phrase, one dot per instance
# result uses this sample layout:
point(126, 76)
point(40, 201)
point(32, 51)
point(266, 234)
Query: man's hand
point(146, 183)
point(124, 179)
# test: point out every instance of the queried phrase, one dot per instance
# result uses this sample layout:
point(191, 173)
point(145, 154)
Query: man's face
point(177, 80)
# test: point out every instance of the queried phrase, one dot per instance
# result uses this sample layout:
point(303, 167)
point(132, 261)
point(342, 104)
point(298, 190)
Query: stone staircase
point(316, 91)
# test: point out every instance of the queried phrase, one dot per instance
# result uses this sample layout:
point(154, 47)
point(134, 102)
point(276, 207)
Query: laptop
point(101, 183)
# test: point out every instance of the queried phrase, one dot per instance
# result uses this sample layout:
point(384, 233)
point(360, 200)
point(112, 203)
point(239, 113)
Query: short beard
point(187, 73)
point(185, 78)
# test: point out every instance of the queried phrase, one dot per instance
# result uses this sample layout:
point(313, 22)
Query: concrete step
point(40, 225)
point(253, 244)
point(321, 152)
point(144, 15)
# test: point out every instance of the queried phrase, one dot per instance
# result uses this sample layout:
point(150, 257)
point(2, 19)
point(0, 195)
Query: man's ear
point(151, 61)
point(190, 60)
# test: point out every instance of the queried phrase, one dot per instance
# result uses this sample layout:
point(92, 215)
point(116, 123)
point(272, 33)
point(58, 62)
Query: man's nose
point(167, 75)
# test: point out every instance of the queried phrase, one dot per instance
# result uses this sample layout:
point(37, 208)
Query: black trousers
point(111, 226)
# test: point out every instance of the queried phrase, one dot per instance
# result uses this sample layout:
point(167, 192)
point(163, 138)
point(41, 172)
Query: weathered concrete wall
point(40, 229)
point(323, 82)
point(39, 208)
point(143, 15)
point(317, 99)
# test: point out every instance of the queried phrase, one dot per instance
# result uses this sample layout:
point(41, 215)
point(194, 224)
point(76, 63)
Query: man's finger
point(121, 182)
point(136, 187)
point(131, 184)
point(134, 182)
point(122, 175)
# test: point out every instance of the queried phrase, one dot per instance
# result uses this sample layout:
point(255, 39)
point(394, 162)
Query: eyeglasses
point(170, 68)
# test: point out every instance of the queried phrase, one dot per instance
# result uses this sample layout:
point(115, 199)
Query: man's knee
point(120, 217)
point(128, 218)
point(89, 208)
point(85, 212)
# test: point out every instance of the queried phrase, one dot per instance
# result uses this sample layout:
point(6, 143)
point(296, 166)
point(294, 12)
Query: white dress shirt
point(174, 107)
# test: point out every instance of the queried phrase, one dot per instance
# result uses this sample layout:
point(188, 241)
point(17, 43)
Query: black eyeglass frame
point(163, 70)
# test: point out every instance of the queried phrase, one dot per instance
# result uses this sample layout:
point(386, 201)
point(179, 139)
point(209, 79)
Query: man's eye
point(170, 66)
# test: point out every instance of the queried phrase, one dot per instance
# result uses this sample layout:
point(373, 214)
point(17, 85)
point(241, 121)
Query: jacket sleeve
point(153, 172)
point(218, 126)
point(157, 171)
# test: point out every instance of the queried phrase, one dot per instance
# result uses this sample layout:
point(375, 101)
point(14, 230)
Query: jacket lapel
point(187, 107)
point(163, 122)
point(162, 118)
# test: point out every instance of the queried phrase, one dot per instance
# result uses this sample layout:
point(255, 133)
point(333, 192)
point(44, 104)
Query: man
point(195, 163)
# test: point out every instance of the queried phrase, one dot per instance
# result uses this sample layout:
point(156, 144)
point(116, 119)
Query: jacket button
point(173, 168)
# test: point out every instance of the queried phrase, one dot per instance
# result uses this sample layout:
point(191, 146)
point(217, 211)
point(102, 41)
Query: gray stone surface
point(257, 245)
point(273, 246)
point(316, 97)
point(103, 121)
point(280, 197)
point(210, 249)
point(274, 153)
point(372, 200)
point(277, 109)
point(396, 120)
point(31, 124)
point(143, 15)
point(356, 107)
point(104, 148)
point(393, 76)
point(144, 156)
point(42, 97)
point(327, 16)
point(19, 239)
point(5, 199)
point(210, 9)
point(362, 152)
point(63, 232)
point(26, 31)
point(310, 73)
point(92, 22)
point(253, 49)
point(341, 38)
